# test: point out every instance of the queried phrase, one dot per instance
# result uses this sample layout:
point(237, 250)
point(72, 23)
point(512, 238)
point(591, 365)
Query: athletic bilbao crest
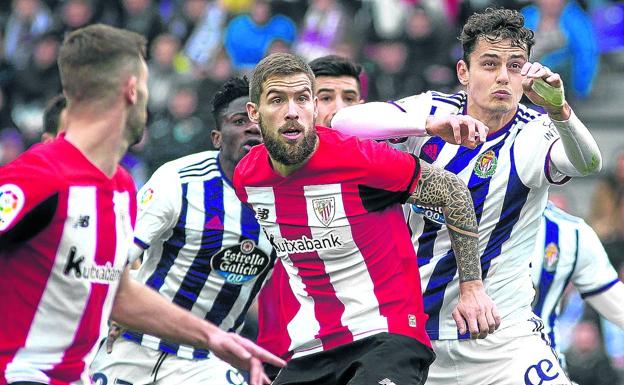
point(551, 257)
point(324, 208)
point(486, 164)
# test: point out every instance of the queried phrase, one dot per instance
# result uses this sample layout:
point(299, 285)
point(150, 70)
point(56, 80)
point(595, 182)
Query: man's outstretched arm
point(440, 188)
point(140, 308)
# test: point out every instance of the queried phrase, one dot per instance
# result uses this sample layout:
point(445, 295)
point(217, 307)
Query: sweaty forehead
point(287, 83)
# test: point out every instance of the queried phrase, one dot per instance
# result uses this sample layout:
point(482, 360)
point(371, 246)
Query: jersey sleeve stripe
point(600, 289)
point(547, 168)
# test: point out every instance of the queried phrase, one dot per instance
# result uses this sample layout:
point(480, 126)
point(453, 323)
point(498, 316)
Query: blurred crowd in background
point(405, 47)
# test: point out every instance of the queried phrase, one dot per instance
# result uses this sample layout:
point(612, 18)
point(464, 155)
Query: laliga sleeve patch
point(146, 198)
point(11, 203)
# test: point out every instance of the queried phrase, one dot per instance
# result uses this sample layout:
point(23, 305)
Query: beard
point(285, 153)
point(135, 123)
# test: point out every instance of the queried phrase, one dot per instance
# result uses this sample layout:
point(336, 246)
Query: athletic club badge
point(486, 164)
point(11, 203)
point(551, 257)
point(324, 209)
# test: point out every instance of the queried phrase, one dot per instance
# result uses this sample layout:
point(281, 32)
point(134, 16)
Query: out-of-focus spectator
point(5, 112)
point(565, 42)
point(322, 30)
point(75, 14)
point(142, 16)
point(587, 361)
point(164, 77)
point(11, 145)
point(205, 39)
point(38, 82)
point(28, 20)
point(177, 131)
point(387, 18)
point(388, 76)
point(607, 209)
point(431, 65)
point(248, 36)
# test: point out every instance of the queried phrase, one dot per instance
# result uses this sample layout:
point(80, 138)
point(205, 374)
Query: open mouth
point(292, 133)
point(251, 143)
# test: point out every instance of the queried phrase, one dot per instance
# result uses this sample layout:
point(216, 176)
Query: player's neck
point(98, 135)
point(493, 120)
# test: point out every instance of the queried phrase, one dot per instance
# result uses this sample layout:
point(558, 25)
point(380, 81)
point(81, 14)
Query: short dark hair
point(52, 114)
point(334, 66)
point(277, 64)
point(233, 88)
point(91, 60)
point(495, 25)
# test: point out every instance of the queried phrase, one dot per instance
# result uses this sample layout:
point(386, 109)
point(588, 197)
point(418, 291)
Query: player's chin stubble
point(288, 154)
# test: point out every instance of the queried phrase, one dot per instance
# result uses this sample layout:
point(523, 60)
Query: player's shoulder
point(457, 99)
point(37, 164)
point(255, 159)
point(195, 165)
point(557, 215)
point(528, 117)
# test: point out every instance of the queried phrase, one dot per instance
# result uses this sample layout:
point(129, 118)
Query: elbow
point(594, 165)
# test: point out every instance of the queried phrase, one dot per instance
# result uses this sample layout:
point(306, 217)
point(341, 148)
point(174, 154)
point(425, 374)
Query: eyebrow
point(496, 56)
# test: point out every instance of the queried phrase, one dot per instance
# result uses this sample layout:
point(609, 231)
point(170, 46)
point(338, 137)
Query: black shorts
point(387, 359)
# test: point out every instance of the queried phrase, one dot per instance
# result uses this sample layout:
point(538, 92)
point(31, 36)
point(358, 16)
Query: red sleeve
point(388, 168)
point(28, 198)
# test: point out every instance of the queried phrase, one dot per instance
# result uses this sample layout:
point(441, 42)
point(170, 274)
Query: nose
point(339, 105)
point(253, 129)
point(503, 75)
point(292, 113)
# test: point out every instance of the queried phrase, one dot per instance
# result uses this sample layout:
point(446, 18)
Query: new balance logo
point(262, 214)
point(73, 263)
point(83, 221)
point(386, 381)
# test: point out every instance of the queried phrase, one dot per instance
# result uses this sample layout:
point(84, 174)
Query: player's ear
point(462, 72)
point(252, 112)
point(130, 89)
point(216, 137)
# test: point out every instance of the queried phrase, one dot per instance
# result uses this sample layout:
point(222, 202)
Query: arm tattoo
point(440, 188)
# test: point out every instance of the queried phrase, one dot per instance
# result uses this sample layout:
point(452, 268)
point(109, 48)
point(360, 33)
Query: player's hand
point(241, 353)
point(457, 129)
point(549, 94)
point(114, 331)
point(475, 311)
point(256, 373)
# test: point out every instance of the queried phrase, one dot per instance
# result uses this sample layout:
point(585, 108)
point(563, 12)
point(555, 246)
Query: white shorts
point(516, 355)
point(132, 364)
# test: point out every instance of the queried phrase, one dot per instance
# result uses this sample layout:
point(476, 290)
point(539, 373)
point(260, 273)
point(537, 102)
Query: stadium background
point(405, 46)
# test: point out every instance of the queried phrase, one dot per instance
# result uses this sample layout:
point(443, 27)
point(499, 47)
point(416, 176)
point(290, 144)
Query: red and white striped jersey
point(65, 229)
point(338, 227)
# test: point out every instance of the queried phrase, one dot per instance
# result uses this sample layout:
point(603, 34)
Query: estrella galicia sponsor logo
point(93, 273)
point(540, 373)
point(240, 263)
point(304, 244)
point(434, 214)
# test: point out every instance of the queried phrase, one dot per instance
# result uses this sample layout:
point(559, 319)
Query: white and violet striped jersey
point(566, 250)
point(203, 248)
point(508, 177)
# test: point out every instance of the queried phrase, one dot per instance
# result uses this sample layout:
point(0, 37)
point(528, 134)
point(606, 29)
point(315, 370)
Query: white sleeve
point(532, 153)
point(385, 120)
point(577, 153)
point(159, 203)
point(609, 303)
point(593, 272)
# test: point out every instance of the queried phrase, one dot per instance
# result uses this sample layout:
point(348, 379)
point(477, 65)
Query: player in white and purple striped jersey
point(508, 175)
point(203, 250)
point(568, 250)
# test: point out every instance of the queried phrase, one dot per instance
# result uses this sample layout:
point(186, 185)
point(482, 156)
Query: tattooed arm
point(439, 188)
